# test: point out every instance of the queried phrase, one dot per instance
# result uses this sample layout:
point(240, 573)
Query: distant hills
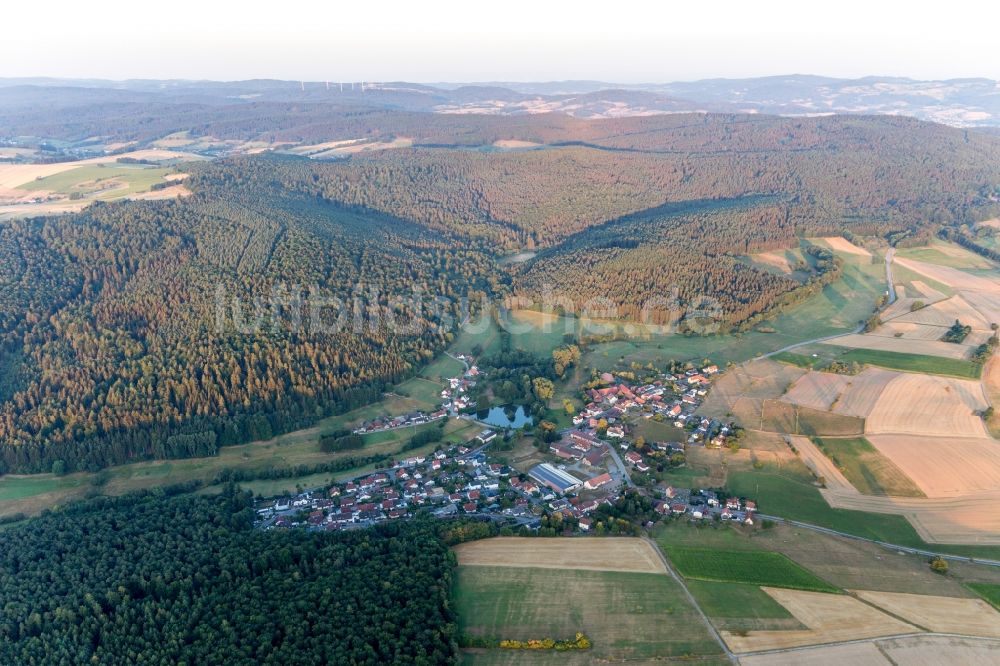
point(956, 102)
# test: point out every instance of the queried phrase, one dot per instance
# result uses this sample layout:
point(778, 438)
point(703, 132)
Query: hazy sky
point(508, 40)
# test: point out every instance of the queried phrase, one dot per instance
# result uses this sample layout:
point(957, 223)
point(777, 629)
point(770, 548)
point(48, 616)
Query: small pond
point(506, 416)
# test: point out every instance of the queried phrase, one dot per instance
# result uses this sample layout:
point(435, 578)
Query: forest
point(285, 289)
point(148, 579)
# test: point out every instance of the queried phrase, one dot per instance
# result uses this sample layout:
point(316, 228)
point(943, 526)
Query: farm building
point(554, 478)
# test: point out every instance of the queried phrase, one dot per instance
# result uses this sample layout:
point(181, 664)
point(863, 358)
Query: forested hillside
point(187, 580)
point(110, 348)
point(110, 337)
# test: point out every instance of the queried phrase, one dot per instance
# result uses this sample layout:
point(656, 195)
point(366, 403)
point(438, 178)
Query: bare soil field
point(855, 654)
point(937, 650)
point(605, 554)
point(830, 617)
point(944, 466)
point(947, 615)
point(951, 277)
point(928, 405)
point(841, 244)
point(901, 346)
point(992, 222)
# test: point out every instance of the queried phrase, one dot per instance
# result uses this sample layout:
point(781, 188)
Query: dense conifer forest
point(187, 580)
point(110, 348)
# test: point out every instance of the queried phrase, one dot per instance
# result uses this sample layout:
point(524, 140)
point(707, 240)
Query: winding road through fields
point(890, 291)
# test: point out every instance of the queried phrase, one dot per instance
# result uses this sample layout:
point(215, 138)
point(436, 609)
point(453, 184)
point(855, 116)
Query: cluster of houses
point(456, 396)
point(461, 480)
point(402, 421)
point(674, 397)
point(458, 480)
point(705, 505)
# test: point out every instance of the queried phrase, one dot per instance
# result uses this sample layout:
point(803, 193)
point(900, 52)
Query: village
point(588, 466)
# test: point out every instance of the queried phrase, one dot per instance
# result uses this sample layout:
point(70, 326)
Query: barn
point(554, 478)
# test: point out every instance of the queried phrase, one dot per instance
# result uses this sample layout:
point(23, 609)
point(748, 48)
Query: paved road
point(620, 463)
point(891, 290)
point(691, 600)
point(888, 275)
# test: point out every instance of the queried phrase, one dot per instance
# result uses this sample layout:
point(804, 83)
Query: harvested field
point(818, 390)
point(991, 385)
point(863, 391)
point(952, 277)
point(822, 466)
point(629, 617)
point(947, 615)
point(755, 380)
point(841, 394)
point(515, 143)
point(937, 650)
point(841, 244)
point(867, 470)
point(16, 175)
point(783, 417)
point(830, 618)
point(925, 292)
point(171, 192)
point(961, 519)
point(605, 554)
point(856, 654)
point(944, 466)
point(900, 328)
point(774, 260)
point(987, 304)
point(928, 405)
point(992, 222)
point(944, 313)
point(900, 346)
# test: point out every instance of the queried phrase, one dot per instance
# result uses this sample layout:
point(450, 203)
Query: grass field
point(627, 616)
point(934, 365)
point(736, 606)
point(943, 253)
point(779, 416)
point(754, 568)
point(989, 592)
point(837, 308)
point(91, 179)
point(787, 490)
point(867, 469)
point(31, 494)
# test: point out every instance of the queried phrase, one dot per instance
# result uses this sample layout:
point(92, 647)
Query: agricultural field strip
point(831, 618)
point(751, 567)
point(917, 650)
point(823, 467)
point(624, 554)
point(947, 615)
